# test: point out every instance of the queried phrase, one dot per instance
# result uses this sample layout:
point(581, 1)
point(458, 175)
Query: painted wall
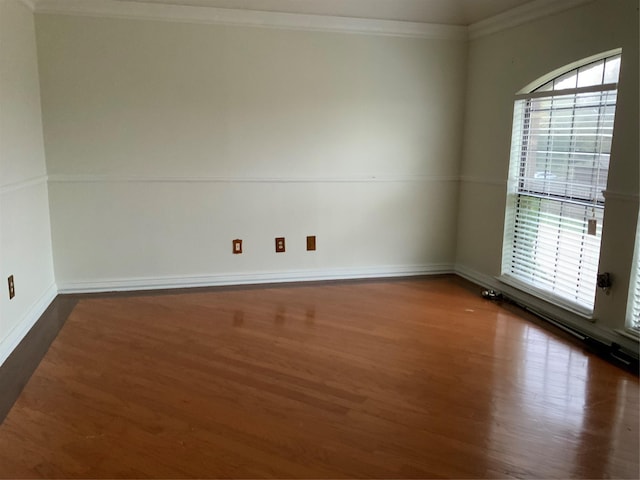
point(25, 236)
point(499, 66)
point(165, 141)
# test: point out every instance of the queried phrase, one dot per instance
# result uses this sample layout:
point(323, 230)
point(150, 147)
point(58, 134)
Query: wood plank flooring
point(410, 378)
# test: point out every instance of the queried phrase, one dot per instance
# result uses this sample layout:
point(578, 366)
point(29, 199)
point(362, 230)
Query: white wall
point(499, 66)
point(167, 140)
point(25, 237)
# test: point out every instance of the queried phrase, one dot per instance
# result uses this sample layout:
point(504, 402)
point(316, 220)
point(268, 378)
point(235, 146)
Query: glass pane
point(568, 80)
point(612, 69)
point(553, 250)
point(566, 146)
point(591, 74)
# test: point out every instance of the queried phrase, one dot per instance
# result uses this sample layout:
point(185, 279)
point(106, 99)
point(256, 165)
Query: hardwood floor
point(25, 358)
point(402, 378)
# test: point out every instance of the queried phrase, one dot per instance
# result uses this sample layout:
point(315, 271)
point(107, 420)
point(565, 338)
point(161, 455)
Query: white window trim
point(568, 91)
point(512, 193)
point(574, 308)
point(567, 68)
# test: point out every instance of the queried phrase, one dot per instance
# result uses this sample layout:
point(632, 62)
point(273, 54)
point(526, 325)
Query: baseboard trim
point(545, 310)
point(193, 281)
point(15, 336)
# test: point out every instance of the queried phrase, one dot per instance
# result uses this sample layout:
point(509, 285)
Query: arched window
point(561, 144)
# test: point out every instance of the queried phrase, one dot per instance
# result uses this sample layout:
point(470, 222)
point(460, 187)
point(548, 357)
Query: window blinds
point(559, 166)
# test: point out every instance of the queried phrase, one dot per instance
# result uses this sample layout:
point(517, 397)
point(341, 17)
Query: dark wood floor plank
point(411, 378)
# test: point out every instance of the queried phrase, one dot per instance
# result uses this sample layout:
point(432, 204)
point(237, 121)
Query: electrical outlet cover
point(311, 243)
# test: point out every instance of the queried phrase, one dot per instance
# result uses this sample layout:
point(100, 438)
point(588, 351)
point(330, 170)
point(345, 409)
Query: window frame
point(515, 180)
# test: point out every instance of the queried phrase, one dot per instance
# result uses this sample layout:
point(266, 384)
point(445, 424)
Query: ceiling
point(448, 12)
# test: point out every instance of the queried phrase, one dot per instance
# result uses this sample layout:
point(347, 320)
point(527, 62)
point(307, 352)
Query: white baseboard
point(547, 310)
point(15, 336)
point(155, 283)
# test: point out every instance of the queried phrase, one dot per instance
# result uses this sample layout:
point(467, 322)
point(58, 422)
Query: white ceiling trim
point(520, 15)
point(295, 21)
point(224, 16)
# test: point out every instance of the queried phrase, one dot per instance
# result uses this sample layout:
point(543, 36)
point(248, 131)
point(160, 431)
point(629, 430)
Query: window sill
point(630, 334)
point(542, 296)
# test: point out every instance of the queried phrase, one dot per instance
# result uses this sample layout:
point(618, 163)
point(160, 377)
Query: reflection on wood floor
point(397, 378)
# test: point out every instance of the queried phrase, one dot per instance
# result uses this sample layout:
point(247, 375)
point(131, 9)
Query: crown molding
point(252, 18)
point(30, 4)
point(520, 15)
point(294, 21)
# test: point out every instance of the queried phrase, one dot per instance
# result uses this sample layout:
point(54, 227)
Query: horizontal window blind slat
point(570, 270)
point(569, 274)
point(566, 201)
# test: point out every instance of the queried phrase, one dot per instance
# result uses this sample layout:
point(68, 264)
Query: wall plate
point(311, 243)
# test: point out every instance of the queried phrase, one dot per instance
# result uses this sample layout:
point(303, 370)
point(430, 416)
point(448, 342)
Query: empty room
point(319, 239)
